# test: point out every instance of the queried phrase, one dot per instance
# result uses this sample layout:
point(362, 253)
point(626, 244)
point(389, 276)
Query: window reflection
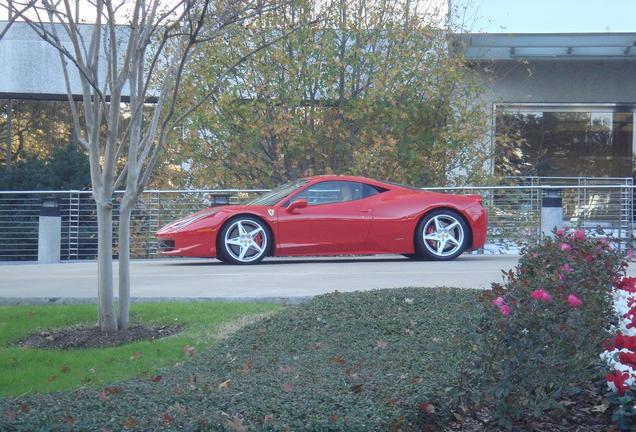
point(564, 143)
point(33, 128)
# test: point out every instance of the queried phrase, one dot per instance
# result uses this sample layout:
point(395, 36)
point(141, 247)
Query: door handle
point(365, 211)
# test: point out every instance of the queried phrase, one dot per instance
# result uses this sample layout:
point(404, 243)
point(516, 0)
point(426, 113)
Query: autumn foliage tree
point(373, 89)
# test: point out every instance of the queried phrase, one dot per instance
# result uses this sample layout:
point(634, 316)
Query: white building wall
point(29, 65)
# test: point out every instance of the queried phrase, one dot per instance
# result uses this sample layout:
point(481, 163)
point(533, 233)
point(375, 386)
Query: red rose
point(619, 378)
point(622, 341)
point(627, 284)
point(628, 358)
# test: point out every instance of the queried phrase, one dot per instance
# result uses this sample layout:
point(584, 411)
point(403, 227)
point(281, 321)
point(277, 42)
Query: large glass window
point(33, 128)
point(564, 143)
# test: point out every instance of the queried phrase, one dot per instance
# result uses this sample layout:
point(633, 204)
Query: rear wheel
point(244, 240)
point(441, 235)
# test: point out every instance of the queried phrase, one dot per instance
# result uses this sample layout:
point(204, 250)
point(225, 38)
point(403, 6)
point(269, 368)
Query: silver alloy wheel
point(443, 235)
point(245, 240)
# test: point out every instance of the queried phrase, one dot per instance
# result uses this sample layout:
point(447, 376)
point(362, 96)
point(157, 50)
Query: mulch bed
point(93, 337)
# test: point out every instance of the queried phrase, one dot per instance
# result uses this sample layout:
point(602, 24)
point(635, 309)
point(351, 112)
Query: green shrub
point(541, 331)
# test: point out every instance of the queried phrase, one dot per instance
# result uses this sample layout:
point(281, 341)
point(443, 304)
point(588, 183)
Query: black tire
point(415, 257)
point(450, 229)
point(231, 253)
point(220, 256)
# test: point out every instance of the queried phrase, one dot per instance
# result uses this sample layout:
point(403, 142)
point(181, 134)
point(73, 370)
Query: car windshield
point(278, 194)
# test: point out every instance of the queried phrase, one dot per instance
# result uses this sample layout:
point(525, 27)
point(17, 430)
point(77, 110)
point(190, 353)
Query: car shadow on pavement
point(278, 261)
point(326, 260)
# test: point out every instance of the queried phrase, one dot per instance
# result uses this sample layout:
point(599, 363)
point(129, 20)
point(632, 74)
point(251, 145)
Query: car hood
point(205, 213)
point(186, 220)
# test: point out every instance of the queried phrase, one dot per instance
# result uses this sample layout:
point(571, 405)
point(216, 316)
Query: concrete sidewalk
point(274, 279)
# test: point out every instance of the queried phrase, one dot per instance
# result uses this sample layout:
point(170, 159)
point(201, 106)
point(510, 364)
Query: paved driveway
point(275, 278)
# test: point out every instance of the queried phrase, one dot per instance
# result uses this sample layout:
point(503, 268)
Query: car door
point(337, 219)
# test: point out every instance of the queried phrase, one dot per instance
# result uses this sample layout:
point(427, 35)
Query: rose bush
point(620, 355)
point(542, 329)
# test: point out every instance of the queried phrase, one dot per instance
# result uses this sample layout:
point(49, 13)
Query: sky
point(550, 16)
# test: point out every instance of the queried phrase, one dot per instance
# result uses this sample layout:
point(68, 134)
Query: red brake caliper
point(430, 231)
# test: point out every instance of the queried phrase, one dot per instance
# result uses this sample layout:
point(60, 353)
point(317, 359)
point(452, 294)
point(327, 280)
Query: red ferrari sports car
point(332, 215)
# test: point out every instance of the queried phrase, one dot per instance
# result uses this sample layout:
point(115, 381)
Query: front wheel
point(441, 236)
point(414, 257)
point(244, 240)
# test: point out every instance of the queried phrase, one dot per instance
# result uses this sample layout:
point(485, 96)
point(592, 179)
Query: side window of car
point(329, 192)
point(368, 190)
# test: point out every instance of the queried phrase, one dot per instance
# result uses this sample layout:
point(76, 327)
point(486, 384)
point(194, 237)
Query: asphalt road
point(274, 279)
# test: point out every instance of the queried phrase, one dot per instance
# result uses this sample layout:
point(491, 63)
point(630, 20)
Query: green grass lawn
point(25, 370)
point(349, 362)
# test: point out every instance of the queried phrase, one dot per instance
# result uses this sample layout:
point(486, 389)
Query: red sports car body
point(330, 215)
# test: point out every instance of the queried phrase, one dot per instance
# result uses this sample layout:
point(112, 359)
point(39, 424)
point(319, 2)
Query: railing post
point(49, 232)
point(626, 216)
point(73, 224)
point(551, 211)
point(155, 206)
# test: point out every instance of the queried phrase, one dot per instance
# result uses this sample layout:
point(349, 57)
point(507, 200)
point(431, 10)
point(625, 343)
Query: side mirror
point(297, 204)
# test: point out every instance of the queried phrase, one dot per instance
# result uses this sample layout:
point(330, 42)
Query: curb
point(15, 301)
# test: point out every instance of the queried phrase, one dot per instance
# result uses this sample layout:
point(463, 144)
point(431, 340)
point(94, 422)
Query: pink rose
point(589, 258)
point(560, 232)
point(574, 301)
point(565, 247)
point(579, 234)
point(541, 294)
point(505, 310)
point(631, 255)
point(566, 268)
point(499, 301)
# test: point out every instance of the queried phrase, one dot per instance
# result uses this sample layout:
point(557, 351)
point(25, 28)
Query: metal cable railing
point(514, 214)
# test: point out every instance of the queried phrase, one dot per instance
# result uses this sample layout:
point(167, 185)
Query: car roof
point(333, 177)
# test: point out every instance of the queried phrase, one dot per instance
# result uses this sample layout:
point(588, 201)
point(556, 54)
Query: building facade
point(35, 116)
point(559, 104)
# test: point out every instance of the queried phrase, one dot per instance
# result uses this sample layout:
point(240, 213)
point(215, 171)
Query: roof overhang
point(546, 46)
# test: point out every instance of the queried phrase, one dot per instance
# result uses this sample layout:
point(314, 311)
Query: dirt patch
point(93, 337)
point(227, 329)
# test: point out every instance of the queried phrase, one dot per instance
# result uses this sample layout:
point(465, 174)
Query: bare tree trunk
point(107, 321)
point(123, 318)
